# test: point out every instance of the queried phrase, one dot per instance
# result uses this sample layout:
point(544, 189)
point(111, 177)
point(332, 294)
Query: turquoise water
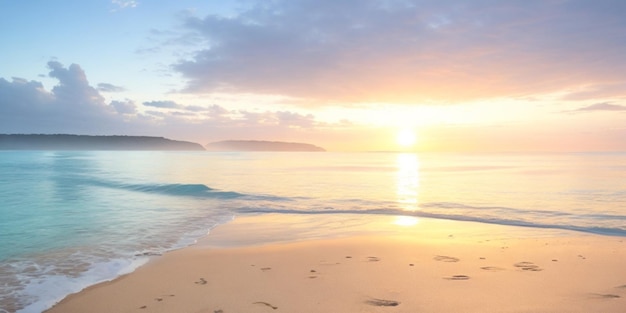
point(72, 219)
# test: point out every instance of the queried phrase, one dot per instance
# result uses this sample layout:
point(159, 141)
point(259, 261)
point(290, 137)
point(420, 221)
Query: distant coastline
point(258, 145)
point(86, 142)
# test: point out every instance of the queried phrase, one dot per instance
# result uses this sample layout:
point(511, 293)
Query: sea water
point(72, 219)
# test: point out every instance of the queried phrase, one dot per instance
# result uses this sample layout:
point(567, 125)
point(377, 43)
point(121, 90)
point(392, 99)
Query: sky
point(347, 75)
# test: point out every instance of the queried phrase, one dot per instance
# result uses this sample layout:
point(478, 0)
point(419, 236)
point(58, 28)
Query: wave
point(597, 223)
point(48, 289)
point(188, 190)
point(200, 191)
point(173, 189)
point(601, 230)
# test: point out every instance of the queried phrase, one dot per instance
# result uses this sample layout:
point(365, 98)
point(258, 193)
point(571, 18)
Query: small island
point(258, 145)
point(85, 142)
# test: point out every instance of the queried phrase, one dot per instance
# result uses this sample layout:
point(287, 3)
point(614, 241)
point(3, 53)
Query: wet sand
point(382, 264)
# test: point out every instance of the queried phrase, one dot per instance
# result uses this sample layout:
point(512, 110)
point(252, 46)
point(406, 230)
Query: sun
point(406, 137)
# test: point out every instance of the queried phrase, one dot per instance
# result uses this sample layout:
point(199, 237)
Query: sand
point(378, 264)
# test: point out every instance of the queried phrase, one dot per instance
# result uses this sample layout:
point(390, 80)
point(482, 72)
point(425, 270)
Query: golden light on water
point(407, 181)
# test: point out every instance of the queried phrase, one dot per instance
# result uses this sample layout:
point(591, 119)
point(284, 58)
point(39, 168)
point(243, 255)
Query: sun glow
point(406, 221)
point(407, 181)
point(406, 138)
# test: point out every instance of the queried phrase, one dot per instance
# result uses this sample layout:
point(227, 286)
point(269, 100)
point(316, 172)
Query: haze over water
point(71, 219)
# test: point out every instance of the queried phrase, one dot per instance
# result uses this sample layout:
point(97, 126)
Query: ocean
point(70, 219)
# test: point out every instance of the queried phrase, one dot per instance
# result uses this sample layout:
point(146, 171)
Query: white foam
point(46, 291)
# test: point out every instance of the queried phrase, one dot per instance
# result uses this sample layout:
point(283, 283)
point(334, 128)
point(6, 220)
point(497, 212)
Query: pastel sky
point(483, 75)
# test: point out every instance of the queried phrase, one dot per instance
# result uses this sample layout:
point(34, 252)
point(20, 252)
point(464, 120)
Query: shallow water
point(71, 219)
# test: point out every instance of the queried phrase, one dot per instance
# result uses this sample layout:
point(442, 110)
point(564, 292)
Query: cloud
point(601, 90)
point(168, 104)
point(124, 107)
point(105, 87)
point(20, 96)
point(400, 51)
point(73, 88)
point(72, 106)
point(219, 116)
point(285, 119)
point(124, 4)
point(292, 119)
point(604, 106)
point(163, 104)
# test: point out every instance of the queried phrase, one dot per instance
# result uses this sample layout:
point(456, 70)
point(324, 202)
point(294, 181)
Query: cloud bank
point(604, 106)
point(368, 50)
point(75, 106)
point(71, 106)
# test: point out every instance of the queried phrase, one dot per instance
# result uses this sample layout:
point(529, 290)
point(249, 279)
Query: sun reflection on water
point(407, 181)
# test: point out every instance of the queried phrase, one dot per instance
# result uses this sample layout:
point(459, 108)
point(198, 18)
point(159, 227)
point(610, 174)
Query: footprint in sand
point(492, 268)
point(457, 277)
point(266, 304)
point(443, 258)
point(202, 281)
point(381, 302)
point(372, 259)
point(528, 266)
point(265, 269)
point(159, 299)
point(604, 296)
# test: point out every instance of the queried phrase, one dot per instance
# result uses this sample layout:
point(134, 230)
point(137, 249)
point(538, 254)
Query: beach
point(313, 156)
point(383, 264)
point(311, 232)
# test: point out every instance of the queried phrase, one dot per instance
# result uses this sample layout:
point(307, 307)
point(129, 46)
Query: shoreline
point(373, 264)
